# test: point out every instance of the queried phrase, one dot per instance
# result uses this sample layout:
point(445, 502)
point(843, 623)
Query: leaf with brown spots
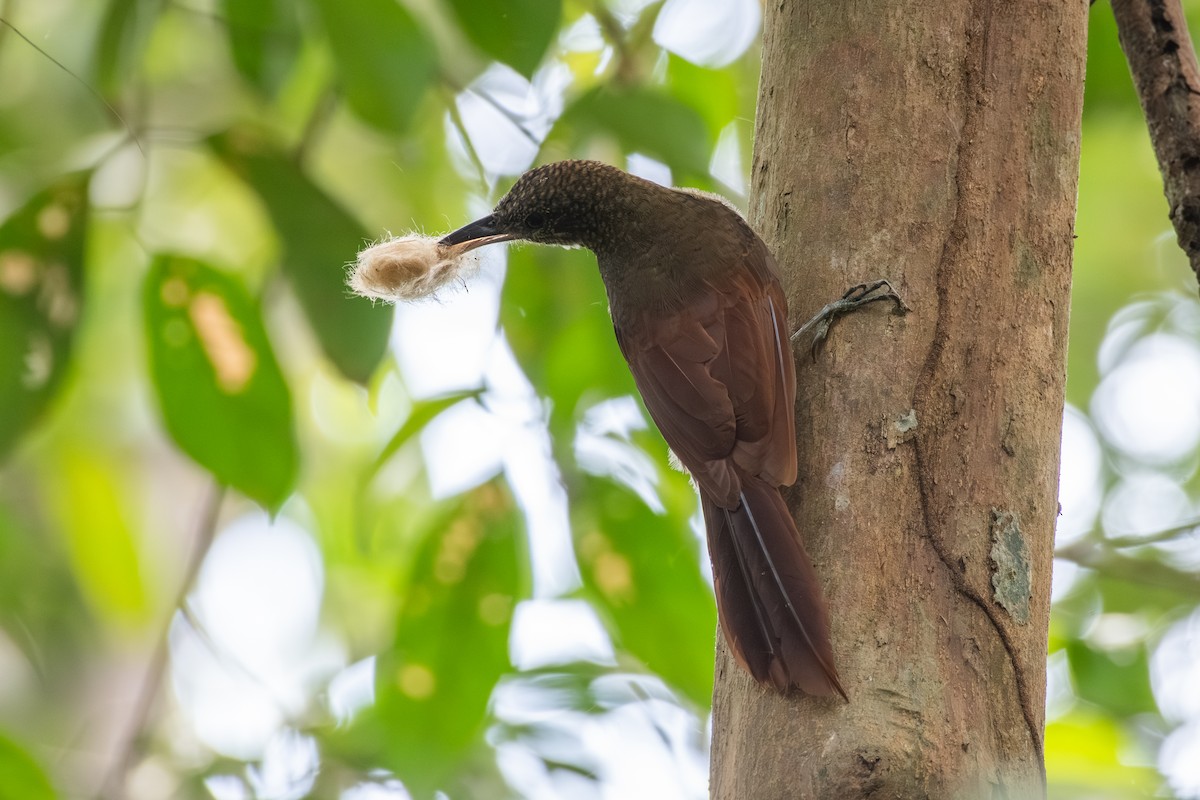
point(41, 295)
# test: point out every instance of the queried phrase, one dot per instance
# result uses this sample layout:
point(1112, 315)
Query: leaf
point(517, 32)
point(646, 121)
point(86, 497)
point(222, 396)
point(451, 645)
point(555, 316)
point(123, 37)
point(384, 60)
point(712, 92)
point(319, 237)
point(264, 36)
point(41, 294)
point(20, 776)
point(1085, 749)
point(1118, 682)
point(642, 571)
point(422, 413)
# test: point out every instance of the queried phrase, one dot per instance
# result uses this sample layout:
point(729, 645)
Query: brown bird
point(702, 320)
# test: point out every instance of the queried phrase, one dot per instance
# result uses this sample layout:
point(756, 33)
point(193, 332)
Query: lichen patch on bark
point(1011, 577)
point(900, 429)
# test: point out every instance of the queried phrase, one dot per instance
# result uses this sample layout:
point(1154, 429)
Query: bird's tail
point(768, 598)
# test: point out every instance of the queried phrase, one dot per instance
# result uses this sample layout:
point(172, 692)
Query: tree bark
point(1162, 60)
point(936, 144)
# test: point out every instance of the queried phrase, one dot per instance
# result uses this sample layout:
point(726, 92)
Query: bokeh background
point(262, 540)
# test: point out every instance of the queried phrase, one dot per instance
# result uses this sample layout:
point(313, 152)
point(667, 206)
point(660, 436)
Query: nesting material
point(409, 268)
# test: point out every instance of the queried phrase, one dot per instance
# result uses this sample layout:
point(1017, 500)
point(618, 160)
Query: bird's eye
point(535, 220)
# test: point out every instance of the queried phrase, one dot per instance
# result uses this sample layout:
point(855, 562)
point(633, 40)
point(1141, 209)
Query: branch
point(92, 89)
point(1165, 535)
point(1133, 570)
point(113, 785)
point(1154, 36)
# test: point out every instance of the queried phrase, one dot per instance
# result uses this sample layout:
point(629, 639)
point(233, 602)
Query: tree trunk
point(937, 145)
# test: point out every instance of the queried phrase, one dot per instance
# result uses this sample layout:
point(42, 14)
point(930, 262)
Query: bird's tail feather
point(768, 598)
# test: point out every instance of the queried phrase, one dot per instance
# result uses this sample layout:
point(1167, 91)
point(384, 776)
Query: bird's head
point(560, 203)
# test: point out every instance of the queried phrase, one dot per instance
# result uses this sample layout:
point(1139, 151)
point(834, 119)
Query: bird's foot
point(855, 297)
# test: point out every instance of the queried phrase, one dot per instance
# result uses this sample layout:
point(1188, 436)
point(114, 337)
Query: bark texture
point(935, 144)
point(1154, 37)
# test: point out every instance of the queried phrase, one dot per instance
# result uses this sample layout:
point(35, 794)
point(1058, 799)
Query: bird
point(701, 318)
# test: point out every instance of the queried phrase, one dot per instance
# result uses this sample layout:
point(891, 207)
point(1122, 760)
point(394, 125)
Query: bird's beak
point(477, 234)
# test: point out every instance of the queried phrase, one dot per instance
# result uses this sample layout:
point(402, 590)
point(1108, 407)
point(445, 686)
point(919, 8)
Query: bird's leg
point(855, 297)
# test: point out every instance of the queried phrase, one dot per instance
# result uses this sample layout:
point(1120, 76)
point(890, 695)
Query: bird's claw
point(854, 298)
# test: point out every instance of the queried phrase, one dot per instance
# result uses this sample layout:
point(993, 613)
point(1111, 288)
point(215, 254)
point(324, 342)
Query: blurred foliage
point(178, 199)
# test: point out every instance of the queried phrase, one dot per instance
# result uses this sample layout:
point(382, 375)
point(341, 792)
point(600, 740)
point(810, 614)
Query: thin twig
point(517, 121)
point(6, 11)
point(113, 785)
point(95, 92)
point(1155, 39)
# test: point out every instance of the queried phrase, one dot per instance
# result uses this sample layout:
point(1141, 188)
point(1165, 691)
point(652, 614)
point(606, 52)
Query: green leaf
point(41, 294)
point(20, 776)
point(642, 571)
point(319, 237)
point(264, 36)
point(221, 393)
point(1092, 751)
point(39, 591)
point(123, 37)
point(451, 646)
point(1118, 682)
point(712, 92)
point(385, 61)
point(515, 32)
point(422, 413)
point(86, 498)
point(555, 316)
point(646, 121)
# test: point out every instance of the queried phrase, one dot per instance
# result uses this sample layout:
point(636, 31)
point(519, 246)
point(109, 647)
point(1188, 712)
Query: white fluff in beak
point(409, 268)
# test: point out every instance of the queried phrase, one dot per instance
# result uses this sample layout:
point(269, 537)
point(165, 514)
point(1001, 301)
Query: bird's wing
point(718, 379)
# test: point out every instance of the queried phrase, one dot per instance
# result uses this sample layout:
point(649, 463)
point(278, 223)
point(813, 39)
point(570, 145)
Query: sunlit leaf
point(515, 32)
point(41, 297)
point(20, 776)
point(422, 413)
point(264, 36)
point(319, 238)
point(222, 396)
point(1091, 750)
point(384, 59)
point(123, 36)
point(100, 537)
point(451, 646)
point(647, 121)
point(642, 570)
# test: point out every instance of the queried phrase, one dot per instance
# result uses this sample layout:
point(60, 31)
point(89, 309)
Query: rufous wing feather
point(718, 379)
